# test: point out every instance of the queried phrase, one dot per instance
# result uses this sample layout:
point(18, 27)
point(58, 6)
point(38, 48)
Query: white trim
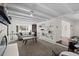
point(57, 44)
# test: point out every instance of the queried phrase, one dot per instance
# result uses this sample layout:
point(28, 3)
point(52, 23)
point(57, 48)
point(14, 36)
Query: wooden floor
point(41, 48)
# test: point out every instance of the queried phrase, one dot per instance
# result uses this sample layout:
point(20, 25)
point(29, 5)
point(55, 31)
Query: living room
point(39, 29)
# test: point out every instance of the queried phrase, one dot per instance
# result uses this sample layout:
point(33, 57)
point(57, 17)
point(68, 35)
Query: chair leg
point(53, 52)
point(35, 39)
point(25, 42)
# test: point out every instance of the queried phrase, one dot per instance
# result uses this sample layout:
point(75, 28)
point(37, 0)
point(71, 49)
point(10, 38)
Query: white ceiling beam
point(34, 8)
point(25, 16)
point(39, 13)
point(42, 15)
point(68, 8)
point(20, 5)
point(30, 19)
point(17, 7)
point(20, 14)
point(50, 10)
point(26, 19)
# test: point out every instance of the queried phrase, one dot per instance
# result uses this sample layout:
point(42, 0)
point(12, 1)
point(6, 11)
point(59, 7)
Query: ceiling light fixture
point(31, 13)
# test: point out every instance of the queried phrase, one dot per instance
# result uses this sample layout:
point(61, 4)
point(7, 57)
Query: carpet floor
point(41, 48)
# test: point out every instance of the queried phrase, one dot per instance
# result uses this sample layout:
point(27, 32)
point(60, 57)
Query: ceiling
point(39, 12)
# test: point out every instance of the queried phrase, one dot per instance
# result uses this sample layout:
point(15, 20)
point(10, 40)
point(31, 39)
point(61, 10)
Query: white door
point(65, 29)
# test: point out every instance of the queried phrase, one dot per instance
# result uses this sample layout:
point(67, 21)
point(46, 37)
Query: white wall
point(55, 28)
point(66, 29)
point(18, 21)
point(57, 32)
point(71, 25)
point(76, 28)
point(55, 22)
